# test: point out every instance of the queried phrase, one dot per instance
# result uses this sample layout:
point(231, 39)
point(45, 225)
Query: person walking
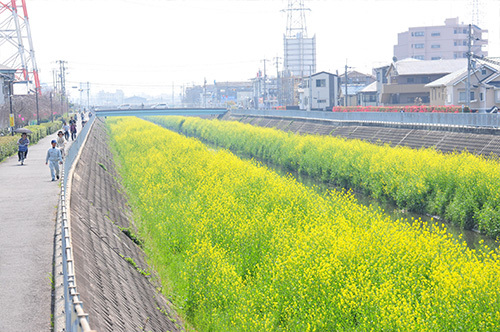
point(23, 143)
point(73, 130)
point(55, 158)
point(66, 130)
point(61, 142)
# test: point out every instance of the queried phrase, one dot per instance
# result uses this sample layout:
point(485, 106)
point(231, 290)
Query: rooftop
point(427, 67)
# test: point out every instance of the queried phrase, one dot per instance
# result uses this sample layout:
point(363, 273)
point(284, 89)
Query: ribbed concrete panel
point(114, 292)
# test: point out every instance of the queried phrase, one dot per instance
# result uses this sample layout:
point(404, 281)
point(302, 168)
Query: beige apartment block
point(448, 41)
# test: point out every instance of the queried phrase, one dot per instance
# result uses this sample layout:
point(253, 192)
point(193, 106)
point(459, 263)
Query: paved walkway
point(28, 206)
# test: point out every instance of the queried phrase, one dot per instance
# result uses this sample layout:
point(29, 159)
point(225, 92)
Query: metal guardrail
point(491, 120)
point(73, 319)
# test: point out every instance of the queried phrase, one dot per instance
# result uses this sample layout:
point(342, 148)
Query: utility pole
point(12, 119)
point(37, 107)
point(62, 79)
point(309, 103)
point(205, 92)
point(278, 88)
point(346, 80)
point(265, 88)
point(345, 77)
point(467, 89)
point(88, 96)
point(51, 107)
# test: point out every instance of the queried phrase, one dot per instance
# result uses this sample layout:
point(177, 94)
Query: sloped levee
point(446, 140)
point(110, 266)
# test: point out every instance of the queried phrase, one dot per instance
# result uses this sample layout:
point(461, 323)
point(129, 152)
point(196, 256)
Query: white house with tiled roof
point(484, 87)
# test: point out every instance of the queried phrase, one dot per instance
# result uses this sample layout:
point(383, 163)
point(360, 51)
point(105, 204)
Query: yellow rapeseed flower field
point(240, 248)
point(460, 187)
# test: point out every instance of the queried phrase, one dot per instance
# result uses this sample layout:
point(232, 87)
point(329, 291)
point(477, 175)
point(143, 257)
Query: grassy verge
point(8, 144)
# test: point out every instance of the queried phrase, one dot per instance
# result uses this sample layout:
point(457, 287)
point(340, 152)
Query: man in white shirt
point(54, 156)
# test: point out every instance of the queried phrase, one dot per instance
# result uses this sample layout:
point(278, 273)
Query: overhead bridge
point(167, 111)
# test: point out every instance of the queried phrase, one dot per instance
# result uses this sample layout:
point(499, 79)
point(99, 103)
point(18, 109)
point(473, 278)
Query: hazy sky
point(145, 46)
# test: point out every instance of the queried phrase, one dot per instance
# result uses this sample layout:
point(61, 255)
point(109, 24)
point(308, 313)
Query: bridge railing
point(167, 111)
point(69, 315)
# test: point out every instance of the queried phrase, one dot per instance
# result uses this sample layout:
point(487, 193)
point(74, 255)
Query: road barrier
point(475, 120)
point(69, 315)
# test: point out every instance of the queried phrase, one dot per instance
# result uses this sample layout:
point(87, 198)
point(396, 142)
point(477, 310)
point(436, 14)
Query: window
point(321, 101)
point(481, 96)
point(436, 58)
point(464, 42)
point(461, 97)
point(483, 71)
point(435, 46)
point(410, 80)
point(497, 96)
point(418, 33)
point(320, 83)
point(418, 57)
point(436, 34)
point(419, 45)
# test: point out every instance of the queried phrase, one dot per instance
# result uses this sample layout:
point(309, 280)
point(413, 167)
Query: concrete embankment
point(110, 266)
point(445, 139)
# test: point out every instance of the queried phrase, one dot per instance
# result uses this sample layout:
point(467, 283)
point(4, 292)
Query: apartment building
point(448, 41)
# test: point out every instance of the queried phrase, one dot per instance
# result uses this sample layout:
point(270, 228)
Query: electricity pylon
point(15, 32)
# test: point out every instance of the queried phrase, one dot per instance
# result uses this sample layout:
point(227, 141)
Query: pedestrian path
point(28, 206)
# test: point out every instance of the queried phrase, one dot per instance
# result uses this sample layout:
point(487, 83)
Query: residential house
point(355, 77)
point(351, 95)
point(368, 95)
point(484, 87)
point(407, 80)
point(320, 92)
